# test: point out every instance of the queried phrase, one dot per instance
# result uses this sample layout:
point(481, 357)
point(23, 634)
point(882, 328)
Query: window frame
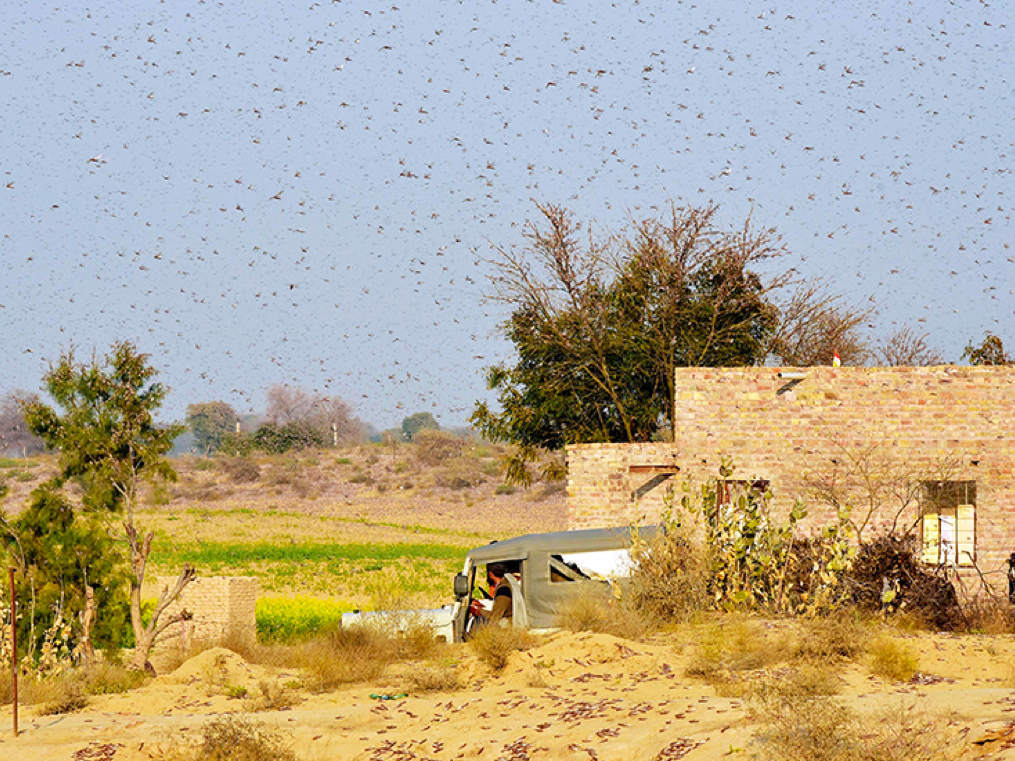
point(950, 507)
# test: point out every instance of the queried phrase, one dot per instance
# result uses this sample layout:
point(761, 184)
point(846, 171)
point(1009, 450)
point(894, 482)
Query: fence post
point(14, 651)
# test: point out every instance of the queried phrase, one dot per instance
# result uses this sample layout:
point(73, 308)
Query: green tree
point(416, 422)
point(209, 422)
point(600, 325)
point(109, 443)
point(989, 352)
point(61, 554)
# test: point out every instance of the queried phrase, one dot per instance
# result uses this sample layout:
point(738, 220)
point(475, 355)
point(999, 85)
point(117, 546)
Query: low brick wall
point(223, 608)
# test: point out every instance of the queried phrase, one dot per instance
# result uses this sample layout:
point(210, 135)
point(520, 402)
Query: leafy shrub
point(240, 469)
point(891, 660)
point(494, 644)
point(276, 439)
point(753, 561)
point(160, 494)
point(284, 619)
point(106, 678)
point(432, 447)
point(237, 444)
point(505, 489)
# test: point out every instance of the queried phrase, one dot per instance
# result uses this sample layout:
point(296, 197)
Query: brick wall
point(223, 608)
point(908, 423)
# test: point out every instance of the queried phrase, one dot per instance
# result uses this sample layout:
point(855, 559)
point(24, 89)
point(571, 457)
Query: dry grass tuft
point(434, 678)
point(495, 644)
point(670, 579)
point(235, 738)
point(62, 696)
point(601, 613)
point(796, 726)
point(69, 691)
point(804, 680)
point(735, 645)
point(241, 470)
point(842, 634)
point(271, 697)
point(988, 616)
point(358, 654)
point(892, 660)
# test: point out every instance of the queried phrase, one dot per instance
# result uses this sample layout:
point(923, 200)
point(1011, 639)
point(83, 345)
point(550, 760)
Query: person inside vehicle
point(500, 592)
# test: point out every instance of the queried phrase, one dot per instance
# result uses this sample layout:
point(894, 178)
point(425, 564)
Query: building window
point(948, 519)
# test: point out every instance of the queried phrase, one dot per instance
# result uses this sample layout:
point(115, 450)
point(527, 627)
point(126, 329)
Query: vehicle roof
point(585, 540)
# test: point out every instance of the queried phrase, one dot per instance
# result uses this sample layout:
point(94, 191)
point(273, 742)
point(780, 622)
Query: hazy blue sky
point(276, 192)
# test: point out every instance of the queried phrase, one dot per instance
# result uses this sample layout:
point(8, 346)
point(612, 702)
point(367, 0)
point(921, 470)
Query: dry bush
point(796, 727)
point(670, 578)
point(434, 678)
point(357, 654)
point(602, 613)
point(736, 645)
point(341, 656)
point(807, 679)
point(235, 738)
point(271, 697)
point(432, 447)
point(58, 695)
point(69, 691)
point(289, 473)
point(494, 644)
point(241, 470)
point(459, 473)
point(988, 615)
point(892, 660)
point(104, 678)
point(840, 634)
point(917, 590)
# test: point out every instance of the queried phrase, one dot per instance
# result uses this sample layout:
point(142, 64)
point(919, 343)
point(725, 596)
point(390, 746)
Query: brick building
point(934, 447)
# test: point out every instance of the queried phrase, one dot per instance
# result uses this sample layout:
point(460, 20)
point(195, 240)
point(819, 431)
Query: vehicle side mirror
point(461, 585)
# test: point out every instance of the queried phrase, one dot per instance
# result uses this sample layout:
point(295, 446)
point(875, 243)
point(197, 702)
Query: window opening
point(948, 522)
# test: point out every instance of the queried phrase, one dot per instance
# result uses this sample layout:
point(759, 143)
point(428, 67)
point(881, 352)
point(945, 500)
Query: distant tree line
point(296, 420)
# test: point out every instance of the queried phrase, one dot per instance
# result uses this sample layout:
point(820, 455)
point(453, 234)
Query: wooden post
point(14, 651)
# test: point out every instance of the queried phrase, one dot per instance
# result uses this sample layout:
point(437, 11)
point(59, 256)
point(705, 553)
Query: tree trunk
point(87, 621)
point(142, 648)
point(146, 635)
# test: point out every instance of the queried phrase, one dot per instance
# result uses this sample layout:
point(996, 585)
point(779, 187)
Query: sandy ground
point(575, 696)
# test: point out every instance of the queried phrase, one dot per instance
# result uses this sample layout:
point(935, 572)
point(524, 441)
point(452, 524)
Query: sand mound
point(215, 665)
point(585, 656)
